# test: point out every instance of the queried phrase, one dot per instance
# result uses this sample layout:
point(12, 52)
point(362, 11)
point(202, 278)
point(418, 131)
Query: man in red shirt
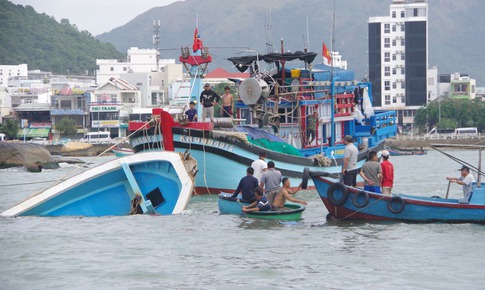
point(387, 173)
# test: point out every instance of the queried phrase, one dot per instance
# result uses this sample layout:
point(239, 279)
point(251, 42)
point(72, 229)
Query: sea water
point(201, 249)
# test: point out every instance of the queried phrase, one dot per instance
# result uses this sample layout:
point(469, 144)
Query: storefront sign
point(105, 124)
point(104, 108)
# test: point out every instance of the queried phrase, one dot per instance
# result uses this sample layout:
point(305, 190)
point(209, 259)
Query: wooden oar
point(238, 201)
point(448, 190)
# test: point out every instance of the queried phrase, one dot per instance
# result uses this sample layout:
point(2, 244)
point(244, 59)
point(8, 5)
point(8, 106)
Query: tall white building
point(398, 58)
point(11, 71)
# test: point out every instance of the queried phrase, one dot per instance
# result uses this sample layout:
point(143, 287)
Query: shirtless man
point(285, 194)
point(227, 103)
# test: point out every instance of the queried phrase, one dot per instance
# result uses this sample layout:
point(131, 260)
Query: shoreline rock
point(15, 154)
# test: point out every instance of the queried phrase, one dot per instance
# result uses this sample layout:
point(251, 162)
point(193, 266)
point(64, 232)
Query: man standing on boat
point(227, 103)
point(311, 128)
point(259, 166)
point(246, 186)
point(271, 180)
point(387, 173)
point(208, 98)
point(371, 172)
point(191, 112)
point(466, 179)
point(349, 167)
point(285, 194)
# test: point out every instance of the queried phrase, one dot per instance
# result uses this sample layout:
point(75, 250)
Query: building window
point(393, 42)
point(402, 42)
point(387, 85)
point(402, 56)
point(415, 12)
point(111, 68)
point(403, 85)
point(387, 57)
point(430, 82)
point(394, 71)
point(387, 99)
point(394, 99)
point(387, 28)
point(402, 27)
point(387, 42)
point(393, 56)
point(403, 71)
point(394, 28)
point(387, 71)
point(394, 85)
point(393, 14)
point(124, 68)
point(402, 14)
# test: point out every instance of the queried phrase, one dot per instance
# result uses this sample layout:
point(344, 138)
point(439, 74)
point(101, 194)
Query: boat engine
point(253, 91)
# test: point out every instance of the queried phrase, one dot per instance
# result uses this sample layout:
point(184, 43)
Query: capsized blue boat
point(146, 183)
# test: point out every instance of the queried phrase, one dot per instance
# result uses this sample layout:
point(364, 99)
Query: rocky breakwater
point(31, 156)
point(78, 149)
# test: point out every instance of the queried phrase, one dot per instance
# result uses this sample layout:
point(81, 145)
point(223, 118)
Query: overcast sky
point(95, 16)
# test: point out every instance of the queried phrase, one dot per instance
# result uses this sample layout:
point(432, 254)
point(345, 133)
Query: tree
point(67, 126)
point(10, 129)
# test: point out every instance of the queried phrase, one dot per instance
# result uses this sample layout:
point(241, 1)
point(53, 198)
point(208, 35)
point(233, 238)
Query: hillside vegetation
point(43, 43)
point(455, 29)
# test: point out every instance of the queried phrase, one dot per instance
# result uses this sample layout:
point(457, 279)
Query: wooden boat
point(406, 152)
point(230, 205)
point(146, 183)
point(122, 152)
point(348, 203)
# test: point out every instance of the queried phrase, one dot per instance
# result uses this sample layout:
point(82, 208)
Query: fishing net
point(281, 147)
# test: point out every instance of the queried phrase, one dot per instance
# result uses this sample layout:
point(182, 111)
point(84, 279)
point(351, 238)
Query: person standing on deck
point(246, 186)
point(259, 166)
point(311, 129)
point(466, 179)
point(349, 167)
point(371, 172)
point(208, 98)
point(227, 103)
point(285, 194)
point(387, 173)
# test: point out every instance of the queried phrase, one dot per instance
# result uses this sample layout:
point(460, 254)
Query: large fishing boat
point(273, 112)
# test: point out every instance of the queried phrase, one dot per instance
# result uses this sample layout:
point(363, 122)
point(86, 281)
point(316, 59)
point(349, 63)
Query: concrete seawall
point(396, 143)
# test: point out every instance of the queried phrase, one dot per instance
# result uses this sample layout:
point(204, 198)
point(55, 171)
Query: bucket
point(295, 73)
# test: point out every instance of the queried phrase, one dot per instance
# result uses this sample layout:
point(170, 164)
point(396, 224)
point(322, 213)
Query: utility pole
point(156, 40)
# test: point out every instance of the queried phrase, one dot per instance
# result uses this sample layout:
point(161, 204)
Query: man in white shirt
point(466, 179)
point(349, 166)
point(259, 166)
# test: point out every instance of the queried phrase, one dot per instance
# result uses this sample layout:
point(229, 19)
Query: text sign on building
point(105, 124)
point(104, 108)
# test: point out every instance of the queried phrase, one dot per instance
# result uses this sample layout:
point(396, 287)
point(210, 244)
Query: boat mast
point(332, 89)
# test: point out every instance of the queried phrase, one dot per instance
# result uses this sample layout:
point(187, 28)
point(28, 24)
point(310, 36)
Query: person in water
point(261, 203)
point(285, 194)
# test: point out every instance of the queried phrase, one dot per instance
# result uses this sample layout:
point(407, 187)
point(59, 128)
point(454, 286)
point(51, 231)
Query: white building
point(138, 61)
point(398, 58)
point(457, 86)
point(9, 71)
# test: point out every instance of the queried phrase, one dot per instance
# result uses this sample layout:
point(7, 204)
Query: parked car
point(40, 141)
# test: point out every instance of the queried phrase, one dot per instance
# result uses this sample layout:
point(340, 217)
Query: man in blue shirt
point(261, 203)
point(246, 186)
point(191, 112)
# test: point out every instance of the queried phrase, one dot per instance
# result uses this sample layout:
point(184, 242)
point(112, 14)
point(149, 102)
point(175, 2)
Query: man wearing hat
point(466, 179)
point(387, 173)
point(208, 99)
point(349, 167)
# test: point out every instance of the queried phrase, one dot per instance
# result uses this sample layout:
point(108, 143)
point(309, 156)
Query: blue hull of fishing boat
point(347, 203)
point(158, 182)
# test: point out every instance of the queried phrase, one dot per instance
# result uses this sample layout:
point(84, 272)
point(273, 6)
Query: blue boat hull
point(110, 189)
point(347, 203)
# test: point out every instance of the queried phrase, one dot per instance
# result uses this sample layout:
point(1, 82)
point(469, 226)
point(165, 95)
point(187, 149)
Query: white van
point(96, 138)
point(471, 132)
point(436, 133)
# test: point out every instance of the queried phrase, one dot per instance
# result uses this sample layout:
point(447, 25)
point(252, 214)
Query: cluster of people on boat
point(265, 188)
point(209, 99)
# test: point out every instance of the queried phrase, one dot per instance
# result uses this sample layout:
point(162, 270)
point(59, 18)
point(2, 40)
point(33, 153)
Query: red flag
point(326, 53)
point(197, 41)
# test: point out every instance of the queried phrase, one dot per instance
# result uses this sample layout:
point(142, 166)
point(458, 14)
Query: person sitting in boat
point(285, 194)
point(260, 204)
point(259, 166)
point(191, 112)
point(466, 179)
point(349, 166)
point(246, 186)
point(208, 98)
point(371, 172)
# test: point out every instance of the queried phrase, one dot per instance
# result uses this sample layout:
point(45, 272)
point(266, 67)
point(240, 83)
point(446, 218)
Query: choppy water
point(203, 250)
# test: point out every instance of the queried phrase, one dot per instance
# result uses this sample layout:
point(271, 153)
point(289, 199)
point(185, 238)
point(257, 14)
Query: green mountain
point(455, 29)
point(43, 43)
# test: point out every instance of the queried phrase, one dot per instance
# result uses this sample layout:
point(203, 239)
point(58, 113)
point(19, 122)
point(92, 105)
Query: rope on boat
point(205, 164)
point(459, 161)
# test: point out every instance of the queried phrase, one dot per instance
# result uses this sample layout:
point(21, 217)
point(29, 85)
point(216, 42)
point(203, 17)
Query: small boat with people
point(406, 151)
point(346, 203)
point(146, 183)
point(233, 205)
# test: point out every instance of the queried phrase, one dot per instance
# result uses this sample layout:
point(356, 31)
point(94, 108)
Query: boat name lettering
point(146, 139)
point(206, 141)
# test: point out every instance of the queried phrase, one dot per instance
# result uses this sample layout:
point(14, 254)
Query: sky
point(95, 16)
